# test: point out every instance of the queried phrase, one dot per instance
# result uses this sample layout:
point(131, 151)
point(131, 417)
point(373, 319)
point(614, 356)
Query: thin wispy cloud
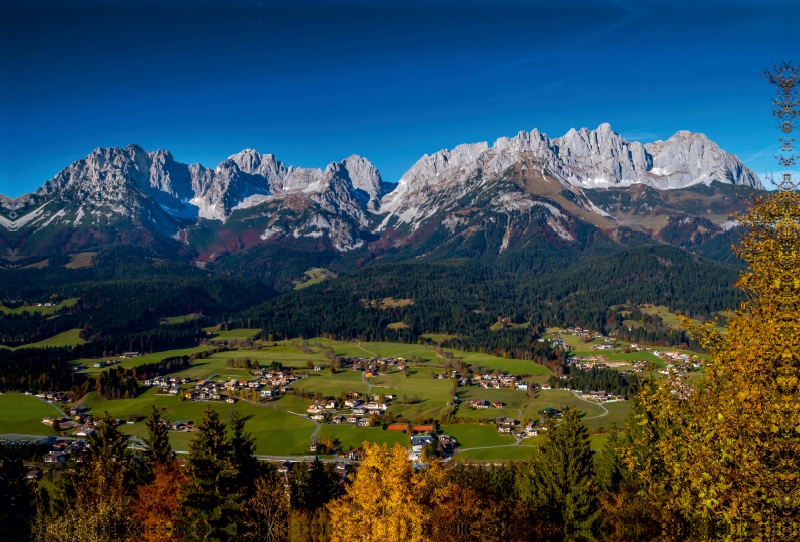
point(632, 14)
point(758, 154)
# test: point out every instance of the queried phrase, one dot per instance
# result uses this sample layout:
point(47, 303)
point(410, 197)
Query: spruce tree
point(108, 444)
point(158, 447)
point(609, 470)
point(558, 480)
point(17, 495)
point(301, 490)
point(243, 462)
point(209, 495)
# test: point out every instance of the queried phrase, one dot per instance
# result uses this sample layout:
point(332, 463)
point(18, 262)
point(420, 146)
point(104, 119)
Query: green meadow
point(276, 431)
point(66, 338)
point(279, 432)
point(22, 414)
point(44, 311)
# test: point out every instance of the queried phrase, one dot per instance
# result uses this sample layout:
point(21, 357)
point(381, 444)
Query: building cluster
point(106, 363)
point(374, 366)
point(487, 380)
point(355, 409)
point(510, 426)
point(684, 362)
point(62, 451)
point(481, 404)
point(79, 419)
point(600, 396)
point(266, 383)
point(170, 385)
point(53, 396)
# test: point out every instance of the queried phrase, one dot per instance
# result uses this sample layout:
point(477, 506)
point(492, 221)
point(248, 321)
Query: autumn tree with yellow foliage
point(725, 448)
point(387, 500)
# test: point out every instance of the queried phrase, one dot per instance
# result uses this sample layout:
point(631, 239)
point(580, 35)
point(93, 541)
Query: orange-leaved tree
point(157, 505)
point(728, 443)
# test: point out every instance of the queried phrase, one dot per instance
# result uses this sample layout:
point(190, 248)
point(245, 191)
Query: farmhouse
point(479, 403)
point(419, 442)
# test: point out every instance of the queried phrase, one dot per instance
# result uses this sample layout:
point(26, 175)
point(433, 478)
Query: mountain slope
point(474, 199)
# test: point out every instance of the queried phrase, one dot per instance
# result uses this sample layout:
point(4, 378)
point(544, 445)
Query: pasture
point(279, 431)
point(276, 431)
point(44, 311)
point(22, 414)
point(70, 337)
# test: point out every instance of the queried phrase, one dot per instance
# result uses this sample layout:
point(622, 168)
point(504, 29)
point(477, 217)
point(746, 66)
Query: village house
point(531, 430)
point(479, 403)
point(355, 455)
point(182, 425)
point(419, 442)
point(56, 457)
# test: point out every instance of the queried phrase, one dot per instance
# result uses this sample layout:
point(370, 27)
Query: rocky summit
point(129, 195)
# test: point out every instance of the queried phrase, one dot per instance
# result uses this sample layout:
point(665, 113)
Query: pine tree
point(558, 480)
point(158, 446)
point(313, 485)
point(243, 463)
point(108, 444)
point(609, 470)
point(209, 496)
point(300, 484)
point(17, 495)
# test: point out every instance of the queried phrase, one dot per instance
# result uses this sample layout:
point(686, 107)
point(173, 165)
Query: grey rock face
point(339, 201)
point(580, 159)
point(688, 158)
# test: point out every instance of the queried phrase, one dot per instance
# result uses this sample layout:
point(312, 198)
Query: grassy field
point(41, 310)
point(279, 432)
point(472, 435)
point(497, 326)
point(141, 360)
point(580, 349)
point(22, 414)
point(276, 432)
point(66, 338)
point(217, 335)
point(180, 319)
point(560, 399)
point(351, 437)
point(345, 380)
point(315, 276)
point(506, 453)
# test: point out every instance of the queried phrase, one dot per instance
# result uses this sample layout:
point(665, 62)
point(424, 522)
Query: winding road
point(518, 441)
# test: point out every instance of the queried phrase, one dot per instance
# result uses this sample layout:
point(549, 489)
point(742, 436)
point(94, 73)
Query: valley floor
point(282, 427)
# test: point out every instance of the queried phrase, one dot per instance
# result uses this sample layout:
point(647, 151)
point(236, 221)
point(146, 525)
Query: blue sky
point(314, 81)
